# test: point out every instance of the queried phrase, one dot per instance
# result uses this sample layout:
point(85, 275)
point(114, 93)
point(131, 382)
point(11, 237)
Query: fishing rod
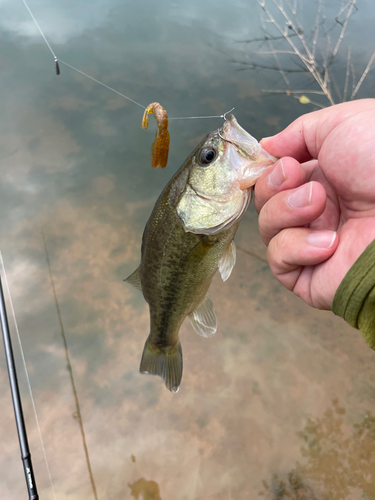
point(17, 405)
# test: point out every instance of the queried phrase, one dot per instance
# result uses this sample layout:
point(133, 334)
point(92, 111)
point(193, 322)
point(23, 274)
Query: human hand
point(317, 204)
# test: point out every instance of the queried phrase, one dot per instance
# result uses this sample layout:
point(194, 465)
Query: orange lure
point(160, 146)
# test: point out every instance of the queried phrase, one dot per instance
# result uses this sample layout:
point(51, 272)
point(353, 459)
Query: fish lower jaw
point(247, 184)
point(253, 171)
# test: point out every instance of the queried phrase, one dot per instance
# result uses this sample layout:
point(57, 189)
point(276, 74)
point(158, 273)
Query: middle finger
point(291, 208)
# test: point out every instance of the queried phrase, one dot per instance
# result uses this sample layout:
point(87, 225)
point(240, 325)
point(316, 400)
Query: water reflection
point(148, 489)
point(339, 460)
point(292, 488)
point(77, 414)
point(75, 161)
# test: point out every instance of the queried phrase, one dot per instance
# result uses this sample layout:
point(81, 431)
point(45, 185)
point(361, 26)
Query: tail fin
point(166, 363)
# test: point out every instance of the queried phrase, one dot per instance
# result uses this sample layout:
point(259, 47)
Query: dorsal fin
point(134, 279)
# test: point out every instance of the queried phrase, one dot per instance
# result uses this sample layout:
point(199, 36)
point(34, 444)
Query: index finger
point(286, 173)
point(304, 138)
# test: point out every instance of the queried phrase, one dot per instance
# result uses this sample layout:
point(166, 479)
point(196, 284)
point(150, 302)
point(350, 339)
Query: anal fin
point(167, 363)
point(203, 319)
point(227, 261)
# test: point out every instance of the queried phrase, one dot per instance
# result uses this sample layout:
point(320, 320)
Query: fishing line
point(26, 372)
point(252, 254)
point(101, 83)
point(77, 415)
point(198, 117)
point(40, 30)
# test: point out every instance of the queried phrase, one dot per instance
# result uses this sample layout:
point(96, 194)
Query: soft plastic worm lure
point(160, 146)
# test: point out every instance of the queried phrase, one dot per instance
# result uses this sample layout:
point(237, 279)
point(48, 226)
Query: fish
point(189, 237)
point(160, 146)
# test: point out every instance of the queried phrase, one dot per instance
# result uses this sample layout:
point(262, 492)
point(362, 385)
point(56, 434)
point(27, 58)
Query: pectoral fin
point(227, 261)
point(203, 318)
point(134, 279)
point(167, 363)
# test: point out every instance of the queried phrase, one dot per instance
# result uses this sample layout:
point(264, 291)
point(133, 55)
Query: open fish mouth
point(244, 153)
point(246, 144)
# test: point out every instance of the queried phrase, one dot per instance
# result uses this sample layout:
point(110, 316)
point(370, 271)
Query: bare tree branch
point(311, 67)
point(292, 8)
point(345, 24)
point(316, 28)
point(335, 84)
point(364, 74)
point(347, 75)
point(353, 75)
point(290, 52)
point(265, 38)
point(289, 92)
point(296, 30)
point(343, 8)
point(316, 49)
point(254, 65)
point(311, 102)
point(275, 56)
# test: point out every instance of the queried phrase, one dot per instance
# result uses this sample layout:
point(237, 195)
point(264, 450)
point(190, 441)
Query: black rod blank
point(17, 405)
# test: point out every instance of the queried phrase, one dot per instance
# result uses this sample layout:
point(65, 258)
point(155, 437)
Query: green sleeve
point(355, 297)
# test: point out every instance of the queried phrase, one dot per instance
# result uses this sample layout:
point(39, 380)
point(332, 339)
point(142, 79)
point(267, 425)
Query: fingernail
point(322, 239)
point(301, 197)
point(266, 138)
point(277, 176)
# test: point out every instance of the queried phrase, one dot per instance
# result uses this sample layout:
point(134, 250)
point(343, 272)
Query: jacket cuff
point(354, 300)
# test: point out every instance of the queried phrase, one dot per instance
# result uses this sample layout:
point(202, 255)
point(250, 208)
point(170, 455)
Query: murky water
point(281, 402)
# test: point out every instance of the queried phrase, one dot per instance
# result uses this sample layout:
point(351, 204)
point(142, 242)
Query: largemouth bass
point(189, 236)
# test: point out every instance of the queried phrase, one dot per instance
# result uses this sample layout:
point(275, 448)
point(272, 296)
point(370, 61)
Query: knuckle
point(271, 218)
point(260, 195)
point(278, 259)
point(264, 224)
point(277, 250)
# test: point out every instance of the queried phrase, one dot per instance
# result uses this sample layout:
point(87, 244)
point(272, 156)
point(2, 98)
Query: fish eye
point(207, 156)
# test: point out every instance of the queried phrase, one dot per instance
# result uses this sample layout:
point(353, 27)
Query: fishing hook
point(221, 137)
point(224, 115)
point(218, 130)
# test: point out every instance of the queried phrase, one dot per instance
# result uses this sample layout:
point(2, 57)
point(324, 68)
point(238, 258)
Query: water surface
point(281, 401)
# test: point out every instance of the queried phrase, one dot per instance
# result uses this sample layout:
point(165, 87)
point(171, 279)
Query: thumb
point(304, 137)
